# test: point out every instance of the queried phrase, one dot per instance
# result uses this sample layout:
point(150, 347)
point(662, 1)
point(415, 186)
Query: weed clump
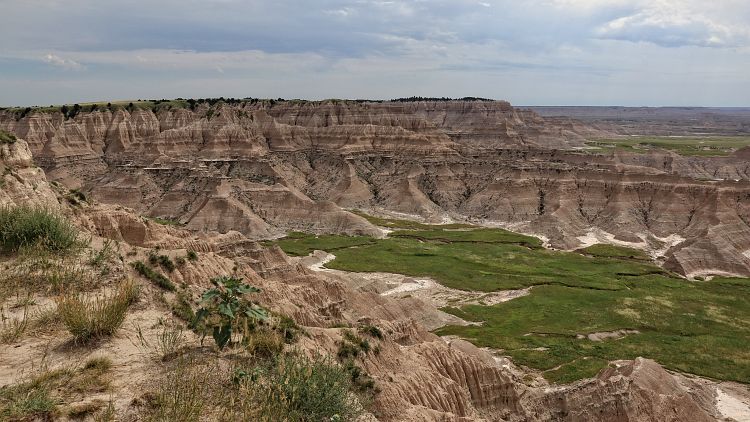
point(157, 278)
point(371, 331)
point(299, 389)
point(28, 226)
point(88, 318)
point(226, 312)
point(162, 260)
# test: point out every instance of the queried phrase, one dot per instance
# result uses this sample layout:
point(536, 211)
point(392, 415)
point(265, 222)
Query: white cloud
point(674, 23)
point(64, 63)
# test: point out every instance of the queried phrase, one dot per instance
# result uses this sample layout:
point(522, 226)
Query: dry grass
point(168, 342)
point(101, 315)
point(265, 344)
point(11, 329)
point(36, 270)
point(291, 388)
point(185, 393)
point(38, 397)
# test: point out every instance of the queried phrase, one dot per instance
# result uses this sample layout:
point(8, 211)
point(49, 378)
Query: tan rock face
point(263, 169)
point(22, 182)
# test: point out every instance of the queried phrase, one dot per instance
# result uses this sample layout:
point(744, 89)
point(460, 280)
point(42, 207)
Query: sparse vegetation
point(298, 389)
point(156, 277)
point(37, 270)
point(265, 344)
point(371, 331)
point(168, 342)
point(611, 251)
point(39, 396)
point(192, 256)
point(7, 138)
point(27, 226)
point(163, 260)
point(167, 221)
point(708, 146)
point(92, 317)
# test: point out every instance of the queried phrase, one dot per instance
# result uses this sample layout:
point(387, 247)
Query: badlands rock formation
point(264, 167)
point(421, 377)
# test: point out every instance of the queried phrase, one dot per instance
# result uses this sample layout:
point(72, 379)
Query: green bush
point(157, 278)
point(27, 226)
point(372, 331)
point(301, 389)
point(225, 311)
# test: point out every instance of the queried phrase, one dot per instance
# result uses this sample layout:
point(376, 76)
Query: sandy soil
point(732, 403)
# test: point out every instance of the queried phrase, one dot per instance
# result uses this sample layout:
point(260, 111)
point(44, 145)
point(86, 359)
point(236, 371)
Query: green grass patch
point(407, 224)
point(167, 221)
point(585, 367)
point(474, 235)
point(710, 146)
point(602, 250)
point(302, 244)
point(35, 226)
point(695, 327)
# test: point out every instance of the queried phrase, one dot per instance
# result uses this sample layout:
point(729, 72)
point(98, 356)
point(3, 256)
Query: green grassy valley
point(696, 327)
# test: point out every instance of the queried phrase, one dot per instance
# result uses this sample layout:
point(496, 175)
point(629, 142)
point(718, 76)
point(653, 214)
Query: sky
point(529, 52)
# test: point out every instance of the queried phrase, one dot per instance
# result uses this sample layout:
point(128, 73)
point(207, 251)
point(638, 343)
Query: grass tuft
point(90, 318)
point(27, 226)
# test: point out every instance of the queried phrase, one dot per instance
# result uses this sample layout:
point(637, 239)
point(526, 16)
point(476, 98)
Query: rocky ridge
point(264, 168)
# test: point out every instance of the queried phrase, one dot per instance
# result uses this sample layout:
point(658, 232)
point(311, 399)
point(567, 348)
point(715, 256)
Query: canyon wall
point(264, 168)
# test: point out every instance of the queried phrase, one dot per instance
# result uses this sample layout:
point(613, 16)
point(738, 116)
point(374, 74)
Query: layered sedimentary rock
point(263, 168)
point(419, 376)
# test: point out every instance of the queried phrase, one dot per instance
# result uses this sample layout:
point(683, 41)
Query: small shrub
point(108, 414)
point(287, 328)
point(26, 402)
point(360, 379)
point(183, 309)
point(300, 389)
point(180, 261)
point(265, 344)
point(26, 226)
point(371, 331)
point(163, 260)
point(351, 345)
point(192, 256)
point(89, 318)
point(7, 138)
point(225, 311)
point(76, 197)
point(100, 258)
point(157, 278)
